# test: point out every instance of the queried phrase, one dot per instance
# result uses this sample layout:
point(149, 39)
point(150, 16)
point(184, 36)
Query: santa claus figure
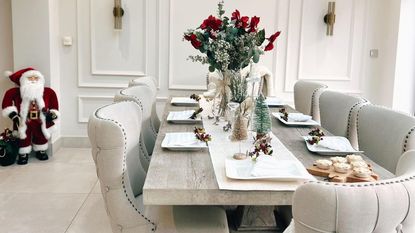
point(33, 108)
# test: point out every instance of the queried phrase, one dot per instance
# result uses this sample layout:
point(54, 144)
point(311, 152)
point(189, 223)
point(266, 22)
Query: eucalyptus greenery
point(238, 88)
point(228, 43)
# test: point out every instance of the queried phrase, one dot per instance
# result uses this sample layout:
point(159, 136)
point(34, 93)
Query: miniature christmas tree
point(262, 119)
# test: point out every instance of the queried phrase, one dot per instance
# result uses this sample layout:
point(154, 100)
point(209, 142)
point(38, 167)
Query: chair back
point(385, 206)
point(142, 96)
point(114, 132)
point(152, 84)
point(338, 114)
point(306, 98)
point(384, 134)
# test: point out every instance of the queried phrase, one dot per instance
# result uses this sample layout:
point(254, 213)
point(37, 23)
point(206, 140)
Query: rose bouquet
point(229, 43)
point(227, 46)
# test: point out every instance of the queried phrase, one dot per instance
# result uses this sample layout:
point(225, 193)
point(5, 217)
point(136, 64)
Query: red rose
point(193, 39)
point(236, 15)
point(254, 24)
point(211, 22)
point(244, 22)
point(190, 37)
point(273, 37)
point(197, 44)
point(271, 40)
point(269, 47)
point(240, 22)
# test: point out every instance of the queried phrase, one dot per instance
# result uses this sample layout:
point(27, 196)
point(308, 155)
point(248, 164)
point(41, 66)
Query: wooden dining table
point(188, 177)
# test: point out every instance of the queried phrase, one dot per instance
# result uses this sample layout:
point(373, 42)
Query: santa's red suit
point(32, 106)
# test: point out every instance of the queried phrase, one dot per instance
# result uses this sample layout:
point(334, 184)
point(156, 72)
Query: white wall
point(6, 52)
point(101, 60)
point(382, 34)
point(404, 86)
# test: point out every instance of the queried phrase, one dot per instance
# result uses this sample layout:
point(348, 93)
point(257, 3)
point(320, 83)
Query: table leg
point(256, 218)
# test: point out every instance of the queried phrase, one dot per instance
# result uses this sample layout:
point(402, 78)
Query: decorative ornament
point(195, 113)
point(262, 145)
point(262, 119)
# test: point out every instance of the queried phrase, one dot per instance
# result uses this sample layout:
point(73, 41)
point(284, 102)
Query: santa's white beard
point(32, 90)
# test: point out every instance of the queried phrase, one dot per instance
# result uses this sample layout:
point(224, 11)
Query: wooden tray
point(334, 176)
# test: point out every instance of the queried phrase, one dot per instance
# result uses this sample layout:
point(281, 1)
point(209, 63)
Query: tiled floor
point(60, 195)
point(55, 196)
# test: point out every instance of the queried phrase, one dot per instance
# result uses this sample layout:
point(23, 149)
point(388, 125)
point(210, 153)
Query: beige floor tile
point(38, 213)
point(97, 188)
point(73, 155)
point(91, 217)
point(50, 177)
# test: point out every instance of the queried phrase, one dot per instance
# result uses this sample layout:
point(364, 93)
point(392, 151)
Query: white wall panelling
point(88, 104)
point(311, 55)
point(184, 14)
point(106, 57)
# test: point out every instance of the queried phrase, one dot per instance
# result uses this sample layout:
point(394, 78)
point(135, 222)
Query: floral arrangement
point(316, 132)
point(262, 145)
point(284, 113)
point(195, 97)
point(316, 136)
point(195, 113)
point(229, 43)
point(201, 135)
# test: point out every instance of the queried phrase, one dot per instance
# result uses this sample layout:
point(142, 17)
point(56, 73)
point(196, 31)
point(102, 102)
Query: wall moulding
point(127, 48)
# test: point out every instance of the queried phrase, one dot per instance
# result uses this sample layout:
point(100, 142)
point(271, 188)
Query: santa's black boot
point(22, 159)
point(41, 155)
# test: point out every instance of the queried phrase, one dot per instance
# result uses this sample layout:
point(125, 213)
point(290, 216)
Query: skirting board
point(71, 142)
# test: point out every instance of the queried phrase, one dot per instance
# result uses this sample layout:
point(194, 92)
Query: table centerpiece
point(228, 45)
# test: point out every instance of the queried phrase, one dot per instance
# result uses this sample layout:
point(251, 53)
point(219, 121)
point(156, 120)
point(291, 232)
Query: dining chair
point(152, 84)
point(338, 112)
point(383, 206)
point(114, 132)
point(306, 98)
point(142, 95)
point(266, 85)
point(384, 134)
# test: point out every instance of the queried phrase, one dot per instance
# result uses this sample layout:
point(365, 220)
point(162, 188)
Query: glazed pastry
point(353, 157)
point(356, 164)
point(362, 172)
point(338, 159)
point(341, 167)
point(323, 164)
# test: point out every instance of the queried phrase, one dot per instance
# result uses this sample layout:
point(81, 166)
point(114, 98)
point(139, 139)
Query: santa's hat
point(27, 72)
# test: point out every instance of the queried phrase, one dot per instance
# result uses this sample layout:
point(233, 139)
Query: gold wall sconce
point(118, 13)
point(330, 18)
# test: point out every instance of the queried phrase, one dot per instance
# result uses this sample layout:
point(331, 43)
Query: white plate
point(326, 151)
point(183, 117)
point(183, 101)
point(286, 171)
point(182, 141)
point(274, 101)
point(295, 123)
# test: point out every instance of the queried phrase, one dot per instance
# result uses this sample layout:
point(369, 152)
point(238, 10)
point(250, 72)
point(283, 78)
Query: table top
point(188, 177)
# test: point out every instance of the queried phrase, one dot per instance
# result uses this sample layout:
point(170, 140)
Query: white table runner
point(222, 148)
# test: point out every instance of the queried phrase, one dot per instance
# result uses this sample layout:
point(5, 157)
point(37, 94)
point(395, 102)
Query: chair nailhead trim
point(124, 165)
point(405, 145)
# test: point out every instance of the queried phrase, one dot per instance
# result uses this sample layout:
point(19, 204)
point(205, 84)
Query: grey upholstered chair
point(384, 134)
point(338, 114)
point(382, 206)
point(142, 95)
point(306, 98)
point(114, 132)
point(151, 83)
point(385, 206)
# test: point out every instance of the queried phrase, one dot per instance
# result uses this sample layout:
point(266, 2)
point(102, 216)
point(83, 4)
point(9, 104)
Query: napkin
point(266, 166)
point(336, 143)
point(181, 115)
point(299, 117)
point(183, 140)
